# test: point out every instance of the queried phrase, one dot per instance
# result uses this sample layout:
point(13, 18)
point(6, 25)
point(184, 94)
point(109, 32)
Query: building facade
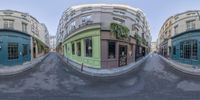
point(153, 46)
point(180, 41)
point(52, 43)
point(22, 38)
point(103, 35)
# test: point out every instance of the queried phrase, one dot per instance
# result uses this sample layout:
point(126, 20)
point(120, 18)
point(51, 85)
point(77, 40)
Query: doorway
point(122, 55)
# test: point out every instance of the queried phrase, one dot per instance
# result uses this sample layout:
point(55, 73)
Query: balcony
point(82, 27)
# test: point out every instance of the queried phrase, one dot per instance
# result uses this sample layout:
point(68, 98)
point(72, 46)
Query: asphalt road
point(54, 80)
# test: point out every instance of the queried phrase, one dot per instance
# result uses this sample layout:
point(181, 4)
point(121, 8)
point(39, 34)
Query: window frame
point(78, 48)
point(13, 52)
point(73, 48)
point(114, 53)
point(8, 24)
point(88, 53)
point(24, 27)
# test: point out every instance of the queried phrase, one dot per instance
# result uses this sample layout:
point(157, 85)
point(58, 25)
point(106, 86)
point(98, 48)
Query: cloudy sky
point(50, 11)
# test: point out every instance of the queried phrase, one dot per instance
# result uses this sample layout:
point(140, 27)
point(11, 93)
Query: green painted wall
point(95, 60)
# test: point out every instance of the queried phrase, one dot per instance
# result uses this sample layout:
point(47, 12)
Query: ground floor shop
point(15, 48)
point(99, 49)
point(186, 47)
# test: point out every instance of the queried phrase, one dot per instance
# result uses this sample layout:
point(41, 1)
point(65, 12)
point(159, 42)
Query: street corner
point(103, 73)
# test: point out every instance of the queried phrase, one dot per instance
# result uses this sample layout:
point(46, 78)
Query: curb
point(25, 69)
point(178, 67)
point(115, 73)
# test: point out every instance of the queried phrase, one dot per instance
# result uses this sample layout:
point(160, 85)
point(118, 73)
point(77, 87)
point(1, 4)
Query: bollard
point(82, 67)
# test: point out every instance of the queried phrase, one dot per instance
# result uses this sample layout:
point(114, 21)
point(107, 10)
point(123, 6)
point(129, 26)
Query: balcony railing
point(81, 26)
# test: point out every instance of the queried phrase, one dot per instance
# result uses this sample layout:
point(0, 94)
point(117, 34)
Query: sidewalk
point(104, 72)
point(189, 69)
point(12, 70)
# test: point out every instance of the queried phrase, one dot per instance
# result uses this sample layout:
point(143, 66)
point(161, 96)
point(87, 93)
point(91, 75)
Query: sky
point(49, 12)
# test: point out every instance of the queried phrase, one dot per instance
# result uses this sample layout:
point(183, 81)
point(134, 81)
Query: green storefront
point(84, 48)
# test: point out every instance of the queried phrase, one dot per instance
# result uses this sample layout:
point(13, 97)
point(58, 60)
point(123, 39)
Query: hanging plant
point(138, 39)
point(120, 31)
point(144, 41)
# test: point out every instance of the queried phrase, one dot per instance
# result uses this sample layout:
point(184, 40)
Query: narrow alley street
point(53, 80)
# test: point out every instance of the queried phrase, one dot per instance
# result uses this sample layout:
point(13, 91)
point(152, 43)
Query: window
point(86, 19)
point(176, 17)
point(66, 49)
point(34, 28)
point(190, 24)
point(24, 27)
point(194, 49)
point(118, 12)
point(72, 26)
point(25, 49)
point(188, 49)
point(111, 50)
point(86, 9)
point(181, 50)
point(73, 49)
point(88, 47)
point(78, 49)
point(174, 50)
point(176, 29)
point(118, 20)
point(8, 24)
point(12, 51)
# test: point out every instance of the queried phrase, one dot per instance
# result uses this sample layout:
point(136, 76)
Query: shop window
point(13, 51)
point(73, 48)
point(194, 49)
point(111, 50)
point(174, 50)
point(188, 49)
point(25, 49)
point(88, 47)
point(181, 50)
point(78, 49)
point(66, 49)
